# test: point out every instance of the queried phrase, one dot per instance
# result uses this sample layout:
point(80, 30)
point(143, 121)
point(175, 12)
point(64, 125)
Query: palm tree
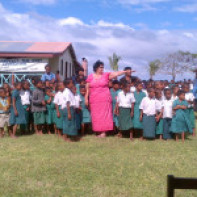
point(113, 61)
point(153, 68)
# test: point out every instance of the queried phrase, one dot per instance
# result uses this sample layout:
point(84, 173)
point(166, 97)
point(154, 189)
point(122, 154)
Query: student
point(139, 95)
point(17, 116)
point(58, 100)
point(180, 121)
point(50, 110)
point(25, 99)
point(147, 115)
point(114, 93)
point(86, 119)
point(189, 97)
point(68, 107)
point(125, 110)
point(167, 114)
point(4, 111)
point(38, 107)
point(175, 90)
point(159, 118)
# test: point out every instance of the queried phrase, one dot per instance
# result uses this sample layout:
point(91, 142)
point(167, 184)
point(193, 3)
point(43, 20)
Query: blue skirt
point(69, 126)
point(149, 126)
point(167, 134)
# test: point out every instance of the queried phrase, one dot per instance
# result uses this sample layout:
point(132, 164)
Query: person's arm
point(132, 110)
point(69, 112)
point(57, 110)
point(87, 95)
point(116, 74)
point(43, 77)
point(14, 106)
point(49, 100)
point(141, 115)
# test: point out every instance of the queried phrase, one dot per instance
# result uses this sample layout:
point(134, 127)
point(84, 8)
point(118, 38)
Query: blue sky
point(138, 30)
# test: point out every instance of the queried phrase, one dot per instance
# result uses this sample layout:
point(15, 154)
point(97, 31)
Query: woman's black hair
point(97, 64)
point(114, 82)
point(180, 92)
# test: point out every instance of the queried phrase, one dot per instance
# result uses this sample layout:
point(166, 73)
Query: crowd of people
point(100, 102)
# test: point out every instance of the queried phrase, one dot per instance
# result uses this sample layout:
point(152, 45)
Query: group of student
point(152, 110)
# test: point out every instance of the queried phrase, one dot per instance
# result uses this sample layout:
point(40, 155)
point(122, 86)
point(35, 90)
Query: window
point(62, 68)
point(66, 69)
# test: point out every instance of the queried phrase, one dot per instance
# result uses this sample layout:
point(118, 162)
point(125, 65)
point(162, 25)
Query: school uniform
point(190, 97)
point(78, 111)
point(159, 125)
point(125, 102)
point(58, 100)
point(69, 126)
point(86, 118)
point(137, 124)
point(4, 112)
point(167, 118)
point(132, 89)
point(50, 111)
point(37, 108)
point(180, 121)
point(148, 106)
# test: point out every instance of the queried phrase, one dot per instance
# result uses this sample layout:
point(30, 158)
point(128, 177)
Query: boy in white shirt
point(125, 110)
point(148, 114)
point(167, 114)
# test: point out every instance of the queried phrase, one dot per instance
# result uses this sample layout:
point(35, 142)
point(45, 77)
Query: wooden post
point(170, 187)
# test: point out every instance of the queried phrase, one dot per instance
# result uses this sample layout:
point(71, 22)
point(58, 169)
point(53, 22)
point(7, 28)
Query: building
point(27, 59)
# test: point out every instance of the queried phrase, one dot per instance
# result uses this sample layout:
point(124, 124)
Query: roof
point(31, 49)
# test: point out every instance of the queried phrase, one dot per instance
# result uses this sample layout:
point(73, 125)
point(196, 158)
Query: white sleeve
point(142, 104)
point(118, 98)
point(132, 98)
point(55, 99)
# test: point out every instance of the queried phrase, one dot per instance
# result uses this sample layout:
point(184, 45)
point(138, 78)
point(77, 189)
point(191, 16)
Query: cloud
point(189, 8)
point(100, 39)
point(39, 2)
point(141, 2)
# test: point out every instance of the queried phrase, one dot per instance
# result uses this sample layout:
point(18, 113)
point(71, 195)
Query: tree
point(113, 61)
point(153, 68)
point(177, 63)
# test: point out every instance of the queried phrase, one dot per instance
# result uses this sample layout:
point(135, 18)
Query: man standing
point(48, 75)
point(128, 75)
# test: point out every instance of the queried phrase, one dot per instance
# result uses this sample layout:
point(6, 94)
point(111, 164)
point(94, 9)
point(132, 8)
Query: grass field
point(47, 166)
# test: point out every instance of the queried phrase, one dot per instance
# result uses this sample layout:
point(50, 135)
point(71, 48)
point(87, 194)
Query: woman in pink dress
point(99, 99)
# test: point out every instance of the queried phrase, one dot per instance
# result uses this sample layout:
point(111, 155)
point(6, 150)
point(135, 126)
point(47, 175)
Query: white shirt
point(125, 101)
point(68, 96)
point(189, 97)
point(132, 89)
point(148, 106)
point(58, 99)
point(77, 100)
point(159, 105)
point(191, 86)
point(167, 108)
point(174, 97)
point(25, 97)
point(145, 91)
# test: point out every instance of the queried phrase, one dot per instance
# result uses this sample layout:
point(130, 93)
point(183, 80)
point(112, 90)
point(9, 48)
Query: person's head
point(47, 83)
point(186, 88)
point(47, 69)
point(139, 86)
point(68, 83)
point(157, 85)
point(33, 79)
point(98, 67)
point(25, 85)
point(60, 86)
point(126, 87)
point(82, 82)
point(80, 72)
point(48, 91)
point(110, 83)
point(18, 85)
point(38, 83)
point(175, 90)
point(128, 69)
point(82, 90)
point(168, 93)
point(151, 92)
point(149, 85)
point(181, 95)
point(158, 94)
point(116, 85)
point(51, 85)
point(2, 92)
point(73, 89)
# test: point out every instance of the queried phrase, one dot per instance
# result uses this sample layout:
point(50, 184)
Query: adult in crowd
point(128, 75)
point(79, 75)
point(99, 99)
point(48, 75)
point(85, 66)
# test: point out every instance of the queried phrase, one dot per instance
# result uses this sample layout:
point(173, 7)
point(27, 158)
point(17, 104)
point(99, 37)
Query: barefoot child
point(38, 107)
point(167, 114)
point(4, 111)
point(148, 113)
point(86, 119)
point(139, 95)
point(17, 116)
point(125, 109)
point(180, 121)
point(58, 99)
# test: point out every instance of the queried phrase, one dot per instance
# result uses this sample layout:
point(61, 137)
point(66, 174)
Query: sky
point(137, 30)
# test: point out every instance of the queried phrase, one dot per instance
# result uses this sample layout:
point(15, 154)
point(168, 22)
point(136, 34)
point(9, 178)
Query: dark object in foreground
point(180, 183)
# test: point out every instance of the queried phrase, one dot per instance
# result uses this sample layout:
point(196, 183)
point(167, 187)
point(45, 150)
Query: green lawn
point(47, 166)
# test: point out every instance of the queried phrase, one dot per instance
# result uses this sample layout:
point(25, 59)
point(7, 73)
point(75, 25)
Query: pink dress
point(100, 103)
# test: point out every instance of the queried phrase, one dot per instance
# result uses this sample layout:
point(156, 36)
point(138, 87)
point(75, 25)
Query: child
point(167, 114)
point(180, 122)
point(17, 116)
point(139, 95)
point(114, 93)
point(50, 109)
point(175, 90)
point(58, 99)
point(147, 115)
point(4, 111)
point(125, 109)
point(159, 119)
point(86, 119)
point(68, 107)
point(189, 97)
point(25, 99)
point(38, 107)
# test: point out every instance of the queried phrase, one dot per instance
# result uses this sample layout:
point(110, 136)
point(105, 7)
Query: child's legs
point(82, 129)
point(183, 136)
point(1, 132)
point(131, 134)
point(15, 129)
